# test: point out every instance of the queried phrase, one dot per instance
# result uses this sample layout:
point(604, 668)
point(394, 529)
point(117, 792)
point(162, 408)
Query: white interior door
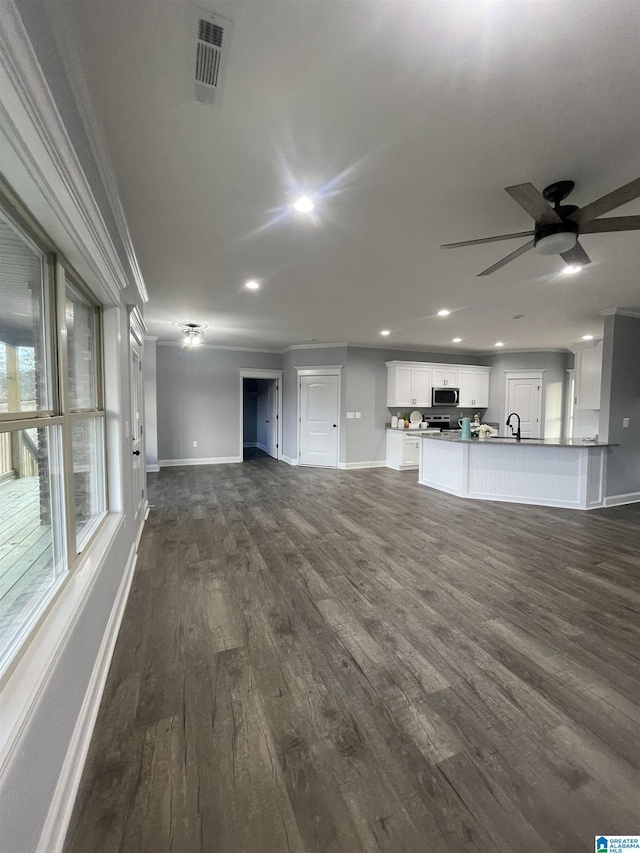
point(319, 421)
point(272, 418)
point(523, 397)
point(137, 445)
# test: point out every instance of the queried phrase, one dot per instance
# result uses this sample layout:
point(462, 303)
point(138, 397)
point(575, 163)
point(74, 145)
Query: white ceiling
point(412, 117)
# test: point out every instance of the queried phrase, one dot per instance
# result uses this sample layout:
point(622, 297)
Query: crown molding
point(58, 16)
point(219, 346)
point(623, 312)
point(37, 134)
point(315, 346)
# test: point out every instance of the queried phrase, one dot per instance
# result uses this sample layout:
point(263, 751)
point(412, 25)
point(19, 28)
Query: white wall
point(51, 695)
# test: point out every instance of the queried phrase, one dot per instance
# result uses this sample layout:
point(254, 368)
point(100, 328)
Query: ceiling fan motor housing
point(556, 238)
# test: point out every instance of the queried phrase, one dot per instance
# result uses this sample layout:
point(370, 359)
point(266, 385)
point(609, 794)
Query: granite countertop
point(526, 442)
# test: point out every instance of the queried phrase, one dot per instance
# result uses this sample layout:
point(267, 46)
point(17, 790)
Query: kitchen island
point(545, 472)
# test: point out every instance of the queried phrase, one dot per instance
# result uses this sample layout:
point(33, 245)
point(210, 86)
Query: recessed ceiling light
point(444, 313)
point(303, 204)
point(499, 344)
point(587, 337)
point(385, 332)
point(252, 284)
point(571, 269)
point(457, 340)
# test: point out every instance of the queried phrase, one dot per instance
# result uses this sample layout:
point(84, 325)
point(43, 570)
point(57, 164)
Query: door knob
point(136, 453)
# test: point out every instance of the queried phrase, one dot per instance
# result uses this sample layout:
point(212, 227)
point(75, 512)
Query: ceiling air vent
point(212, 53)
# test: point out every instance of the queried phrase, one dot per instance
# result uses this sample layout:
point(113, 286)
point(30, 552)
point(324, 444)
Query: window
point(52, 457)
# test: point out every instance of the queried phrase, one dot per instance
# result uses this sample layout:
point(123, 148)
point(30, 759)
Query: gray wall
point(620, 398)
point(199, 399)
point(366, 387)
point(50, 715)
point(555, 365)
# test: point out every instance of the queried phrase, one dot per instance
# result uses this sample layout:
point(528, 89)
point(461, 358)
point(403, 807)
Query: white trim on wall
point(619, 500)
point(30, 675)
point(289, 460)
point(39, 138)
point(261, 373)
point(327, 370)
point(61, 808)
point(353, 466)
point(222, 347)
point(205, 460)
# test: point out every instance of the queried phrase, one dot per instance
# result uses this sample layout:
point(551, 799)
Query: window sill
point(25, 674)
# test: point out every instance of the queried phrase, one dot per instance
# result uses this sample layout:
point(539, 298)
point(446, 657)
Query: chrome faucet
point(514, 431)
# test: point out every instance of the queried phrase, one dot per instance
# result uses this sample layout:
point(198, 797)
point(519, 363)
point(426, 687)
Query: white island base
point(545, 474)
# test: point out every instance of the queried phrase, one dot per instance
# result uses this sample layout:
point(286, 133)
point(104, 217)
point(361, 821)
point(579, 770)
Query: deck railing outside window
point(52, 465)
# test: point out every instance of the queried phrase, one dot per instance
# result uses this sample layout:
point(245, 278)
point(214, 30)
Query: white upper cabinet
point(474, 387)
point(588, 376)
point(410, 383)
point(444, 377)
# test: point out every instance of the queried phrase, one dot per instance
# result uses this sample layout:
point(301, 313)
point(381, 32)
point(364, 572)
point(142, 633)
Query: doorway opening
point(260, 414)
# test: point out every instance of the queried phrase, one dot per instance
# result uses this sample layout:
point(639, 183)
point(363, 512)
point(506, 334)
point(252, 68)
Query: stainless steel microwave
point(445, 396)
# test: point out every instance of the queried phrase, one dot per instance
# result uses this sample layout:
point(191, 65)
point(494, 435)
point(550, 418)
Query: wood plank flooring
point(344, 661)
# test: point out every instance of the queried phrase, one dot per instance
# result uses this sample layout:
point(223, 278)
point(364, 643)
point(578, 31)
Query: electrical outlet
point(349, 415)
point(358, 414)
point(625, 423)
point(195, 444)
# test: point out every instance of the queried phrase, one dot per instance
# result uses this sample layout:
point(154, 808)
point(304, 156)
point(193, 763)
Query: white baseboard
point(289, 460)
point(249, 444)
point(262, 447)
point(619, 500)
point(153, 469)
point(61, 808)
point(351, 466)
point(207, 460)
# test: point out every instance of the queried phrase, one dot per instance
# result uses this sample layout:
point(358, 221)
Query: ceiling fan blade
point(508, 259)
point(612, 223)
point(576, 256)
point(488, 240)
point(608, 202)
point(534, 203)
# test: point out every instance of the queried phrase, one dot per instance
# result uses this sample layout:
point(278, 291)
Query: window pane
point(24, 385)
point(81, 351)
point(88, 475)
point(32, 555)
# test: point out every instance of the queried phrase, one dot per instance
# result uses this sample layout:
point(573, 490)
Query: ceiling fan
point(558, 227)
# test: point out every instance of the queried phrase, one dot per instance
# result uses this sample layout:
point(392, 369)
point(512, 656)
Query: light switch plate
point(195, 443)
point(625, 423)
point(349, 414)
point(358, 414)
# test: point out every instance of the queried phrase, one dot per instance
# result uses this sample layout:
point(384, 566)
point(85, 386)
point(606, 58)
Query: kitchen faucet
point(513, 431)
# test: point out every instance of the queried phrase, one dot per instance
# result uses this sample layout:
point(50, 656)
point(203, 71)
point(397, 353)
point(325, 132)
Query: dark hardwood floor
point(344, 661)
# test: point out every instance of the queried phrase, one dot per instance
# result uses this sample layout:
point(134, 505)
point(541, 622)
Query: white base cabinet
point(403, 449)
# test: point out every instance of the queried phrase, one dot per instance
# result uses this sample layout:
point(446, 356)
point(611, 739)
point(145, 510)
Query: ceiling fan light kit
point(557, 228)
